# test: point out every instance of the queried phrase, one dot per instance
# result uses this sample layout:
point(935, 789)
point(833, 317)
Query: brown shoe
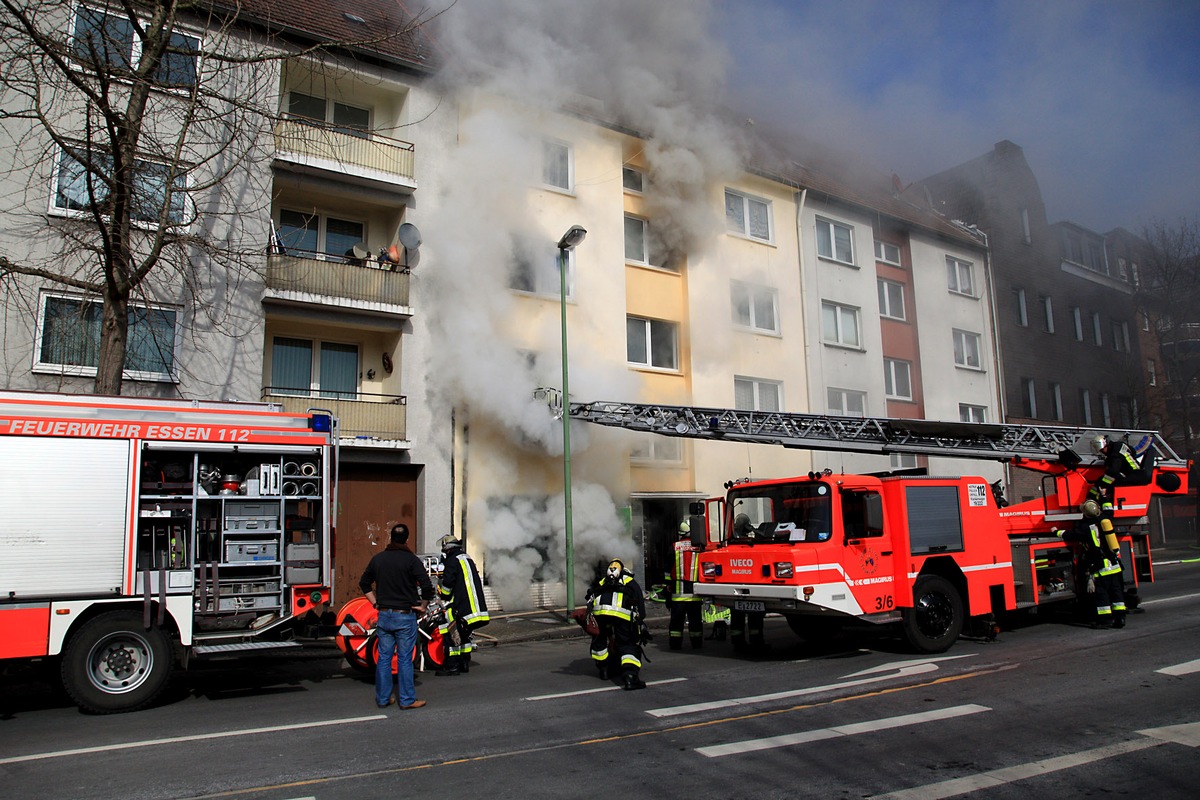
point(414, 704)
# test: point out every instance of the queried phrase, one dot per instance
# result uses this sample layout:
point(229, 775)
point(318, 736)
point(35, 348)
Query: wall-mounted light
point(370, 374)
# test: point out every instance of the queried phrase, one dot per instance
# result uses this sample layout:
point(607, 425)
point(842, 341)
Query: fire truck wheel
point(936, 618)
point(114, 664)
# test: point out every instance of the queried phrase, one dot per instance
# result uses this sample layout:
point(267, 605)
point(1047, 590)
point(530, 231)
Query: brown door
point(372, 498)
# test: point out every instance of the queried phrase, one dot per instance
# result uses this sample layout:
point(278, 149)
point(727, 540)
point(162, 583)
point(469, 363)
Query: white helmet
point(684, 529)
point(1099, 442)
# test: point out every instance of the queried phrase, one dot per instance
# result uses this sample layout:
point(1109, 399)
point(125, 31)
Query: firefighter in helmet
point(461, 589)
point(1099, 555)
point(1121, 468)
point(620, 612)
point(685, 605)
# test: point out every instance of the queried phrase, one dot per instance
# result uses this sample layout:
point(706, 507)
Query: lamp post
point(566, 244)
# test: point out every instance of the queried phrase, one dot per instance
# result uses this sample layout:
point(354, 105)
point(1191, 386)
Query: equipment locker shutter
point(63, 515)
point(934, 519)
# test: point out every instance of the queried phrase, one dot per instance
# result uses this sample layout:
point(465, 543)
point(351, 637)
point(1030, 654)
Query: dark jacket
point(399, 579)
point(462, 587)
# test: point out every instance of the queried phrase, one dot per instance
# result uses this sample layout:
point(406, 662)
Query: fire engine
point(135, 533)
point(930, 553)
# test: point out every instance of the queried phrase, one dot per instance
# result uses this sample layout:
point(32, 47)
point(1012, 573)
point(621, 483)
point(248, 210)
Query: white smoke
point(653, 69)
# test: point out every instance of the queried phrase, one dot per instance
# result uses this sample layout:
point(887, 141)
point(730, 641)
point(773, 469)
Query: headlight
point(710, 569)
point(784, 569)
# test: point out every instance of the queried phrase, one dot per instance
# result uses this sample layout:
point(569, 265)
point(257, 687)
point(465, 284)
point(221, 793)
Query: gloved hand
point(1093, 493)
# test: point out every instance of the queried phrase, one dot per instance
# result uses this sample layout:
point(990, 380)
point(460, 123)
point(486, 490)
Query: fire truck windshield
point(797, 512)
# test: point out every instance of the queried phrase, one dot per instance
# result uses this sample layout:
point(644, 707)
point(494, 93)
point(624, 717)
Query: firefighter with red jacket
point(461, 589)
point(620, 611)
point(681, 598)
point(1100, 556)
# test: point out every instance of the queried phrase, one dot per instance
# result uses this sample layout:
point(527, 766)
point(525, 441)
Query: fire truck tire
point(114, 664)
point(936, 618)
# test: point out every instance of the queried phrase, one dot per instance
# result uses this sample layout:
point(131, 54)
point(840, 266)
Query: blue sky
point(1104, 97)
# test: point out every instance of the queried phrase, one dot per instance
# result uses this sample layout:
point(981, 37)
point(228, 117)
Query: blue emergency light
point(320, 423)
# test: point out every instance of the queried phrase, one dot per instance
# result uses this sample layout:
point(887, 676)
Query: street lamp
point(566, 244)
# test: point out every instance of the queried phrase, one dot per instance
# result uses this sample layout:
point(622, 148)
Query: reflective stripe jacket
point(620, 601)
point(462, 589)
point(1096, 558)
point(683, 572)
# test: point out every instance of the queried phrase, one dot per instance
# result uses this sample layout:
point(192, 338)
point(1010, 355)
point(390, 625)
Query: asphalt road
point(1050, 709)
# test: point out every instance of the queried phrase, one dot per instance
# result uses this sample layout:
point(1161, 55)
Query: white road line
point(1187, 734)
point(195, 738)
point(752, 745)
point(1181, 669)
point(999, 777)
point(613, 688)
point(1175, 599)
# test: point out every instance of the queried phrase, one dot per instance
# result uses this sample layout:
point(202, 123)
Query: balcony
point(368, 420)
point(1181, 342)
point(356, 156)
point(323, 280)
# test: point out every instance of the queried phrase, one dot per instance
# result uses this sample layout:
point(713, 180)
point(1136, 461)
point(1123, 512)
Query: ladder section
point(879, 435)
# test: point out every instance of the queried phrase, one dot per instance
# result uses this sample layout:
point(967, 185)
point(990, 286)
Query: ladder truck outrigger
point(929, 553)
point(137, 533)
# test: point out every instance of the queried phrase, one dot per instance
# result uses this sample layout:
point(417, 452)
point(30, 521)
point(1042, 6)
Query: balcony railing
point(365, 280)
point(316, 142)
point(363, 416)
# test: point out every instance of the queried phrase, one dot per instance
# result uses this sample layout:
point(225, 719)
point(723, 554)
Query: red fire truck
point(135, 533)
point(930, 553)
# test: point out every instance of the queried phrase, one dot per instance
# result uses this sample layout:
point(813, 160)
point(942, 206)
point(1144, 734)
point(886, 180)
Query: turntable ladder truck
point(931, 553)
point(139, 533)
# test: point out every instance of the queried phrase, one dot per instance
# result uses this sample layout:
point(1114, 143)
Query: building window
point(903, 460)
point(970, 413)
point(1105, 410)
point(755, 307)
point(960, 276)
point(1120, 336)
point(557, 169)
point(535, 270)
point(1085, 406)
point(748, 216)
point(1056, 406)
point(310, 368)
point(891, 299)
point(888, 253)
point(108, 39)
point(839, 325)
point(352, 120)
point(1022, 310)
point(78, 189)
point(1077, 321)
point(651, 342)
point(752, 394)
point(637, 248)
point(966, 349)
point(897, 379)
point(1026, 236)
point(1151, 372)
point(661, 449)
point(1030, 397)
point(632, 180)
point(846, 402)
point(68, 338)
point(835, 241)
point(1047, 314)
point(1097, 336)
point(316, 235)
point(1145, 321)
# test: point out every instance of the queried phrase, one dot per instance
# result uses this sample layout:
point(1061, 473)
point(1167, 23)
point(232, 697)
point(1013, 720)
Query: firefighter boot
point(697, 639)
point(631, 681)
point(1118, 619)
point(602, 668)
point(450, 668)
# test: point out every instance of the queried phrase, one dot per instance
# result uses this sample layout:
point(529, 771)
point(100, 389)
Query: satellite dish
point(409, 236)
point(412, 257)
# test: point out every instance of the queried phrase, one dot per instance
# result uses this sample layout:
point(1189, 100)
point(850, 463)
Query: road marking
point(1188, 734)
point(753, 745)
point(194, 738)
point(1175, 599)
point(1181, 669)
point(999, 777)
point(902, 669)
point(614, 688)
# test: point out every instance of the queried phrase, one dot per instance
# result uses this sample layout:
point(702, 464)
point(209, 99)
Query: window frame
point(626, 172)
point(43, 366)
point(887, 312)
point(955, 269)
point(1022, 308)
point(841, 409)
point(329, 114)
point(744, 228)
point(840, 310)
point(545, 281)
point(658, 450)
point(567, 153)
point(881, 253)
point(1077, 319)
point(321, 251)
point(316, 349)
point(892, 368)
point(969, 412)
point(649, 351)
point(134, 54)
point(181, 219)
point(756, 386)
point(961, 339)
point(1056, 401)
point(753, 294)
point(830, 226)
point(1047, 314)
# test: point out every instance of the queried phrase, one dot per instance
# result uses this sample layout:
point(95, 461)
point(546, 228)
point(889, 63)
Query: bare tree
point(1169, 296)
point(149, 124)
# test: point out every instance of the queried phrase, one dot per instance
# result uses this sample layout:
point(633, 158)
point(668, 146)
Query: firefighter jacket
point(462, 590)
point(1120, 465)
point(1097, 559)
point(684, 568)
point(619, 600)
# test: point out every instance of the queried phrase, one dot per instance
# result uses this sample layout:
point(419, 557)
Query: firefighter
point(1121, 468)
point(620, 611)
point(1100, 557)
point(461, 589)
point(681, 597)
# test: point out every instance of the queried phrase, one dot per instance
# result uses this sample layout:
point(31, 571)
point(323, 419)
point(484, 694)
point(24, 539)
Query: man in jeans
point(401, 591)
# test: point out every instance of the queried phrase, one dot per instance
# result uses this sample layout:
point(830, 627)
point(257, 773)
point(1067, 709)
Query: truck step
point(237, 647)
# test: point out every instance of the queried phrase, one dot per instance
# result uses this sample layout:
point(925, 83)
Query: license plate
point(749, 605)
